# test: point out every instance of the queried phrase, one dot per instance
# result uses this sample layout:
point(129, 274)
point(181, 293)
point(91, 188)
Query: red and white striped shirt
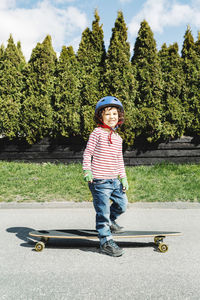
point(104, 159)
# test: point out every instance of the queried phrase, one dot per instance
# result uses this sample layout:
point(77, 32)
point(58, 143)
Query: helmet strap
point(108, 127)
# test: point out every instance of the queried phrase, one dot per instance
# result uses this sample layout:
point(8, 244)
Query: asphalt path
point(68, 269)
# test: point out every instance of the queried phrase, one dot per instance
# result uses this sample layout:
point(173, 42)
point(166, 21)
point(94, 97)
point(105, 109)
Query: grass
point(25, 182)
point(164, 183)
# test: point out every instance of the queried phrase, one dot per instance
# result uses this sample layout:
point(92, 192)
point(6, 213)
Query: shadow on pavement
point(22, 233)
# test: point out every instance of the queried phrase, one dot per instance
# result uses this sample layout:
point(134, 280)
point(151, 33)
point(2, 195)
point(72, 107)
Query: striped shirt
point(104, 159)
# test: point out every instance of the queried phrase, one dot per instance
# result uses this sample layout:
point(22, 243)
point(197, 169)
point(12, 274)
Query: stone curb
point(65, 205)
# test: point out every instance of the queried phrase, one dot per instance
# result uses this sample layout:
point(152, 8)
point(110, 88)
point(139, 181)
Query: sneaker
point(115, 228)
point(111, 248)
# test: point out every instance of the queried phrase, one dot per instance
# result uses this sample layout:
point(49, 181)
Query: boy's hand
point(125, 184)
point(88, 176)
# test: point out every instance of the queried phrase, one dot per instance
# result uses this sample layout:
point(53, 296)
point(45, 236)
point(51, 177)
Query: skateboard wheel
point(163, 247)
point(39, 246)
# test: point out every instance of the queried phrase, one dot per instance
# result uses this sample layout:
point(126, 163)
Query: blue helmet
point(108, 101)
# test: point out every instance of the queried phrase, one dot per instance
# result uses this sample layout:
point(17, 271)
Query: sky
point(29, 21)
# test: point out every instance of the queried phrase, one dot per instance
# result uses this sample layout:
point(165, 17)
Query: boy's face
point(110, 116)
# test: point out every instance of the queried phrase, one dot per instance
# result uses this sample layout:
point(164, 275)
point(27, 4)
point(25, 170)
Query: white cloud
point(32, 25)
point(6, 4)
point(165, 13)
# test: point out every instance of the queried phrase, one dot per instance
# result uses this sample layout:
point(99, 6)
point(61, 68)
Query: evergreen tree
point(2, 49)
point(66, 98)
point(197, 44)
point(174, 116)
point(37, 115)
point(91, 57)
point(148, 74)
point(11, 79)
point(119, 80)
point(21, 55)
point(191, 66)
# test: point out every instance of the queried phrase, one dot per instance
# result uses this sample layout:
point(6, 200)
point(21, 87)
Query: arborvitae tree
point(66, 98)
point(37, 114)
point(191, 66)
point(119, 80)
point(11, 79)
point(21, 55)
point(197, 44)
point(174, 116)
point(2, 49)
point(148, 74)
point(91, 57)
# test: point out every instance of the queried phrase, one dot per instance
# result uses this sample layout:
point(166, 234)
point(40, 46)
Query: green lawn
point(58, 182)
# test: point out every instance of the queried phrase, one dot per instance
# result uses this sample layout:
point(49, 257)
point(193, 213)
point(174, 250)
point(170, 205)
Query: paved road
point(79, 271)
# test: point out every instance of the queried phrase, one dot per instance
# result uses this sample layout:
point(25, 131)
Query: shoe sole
point(111, 254)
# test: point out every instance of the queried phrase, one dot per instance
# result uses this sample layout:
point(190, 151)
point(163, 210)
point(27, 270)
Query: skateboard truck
point(39, 246)
point(158, 240)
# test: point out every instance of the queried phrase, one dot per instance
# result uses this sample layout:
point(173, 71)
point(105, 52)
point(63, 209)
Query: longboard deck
point(93, 234)
point(45, 235)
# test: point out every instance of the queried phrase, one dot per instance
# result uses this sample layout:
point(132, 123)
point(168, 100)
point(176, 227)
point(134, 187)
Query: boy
point(102, 164)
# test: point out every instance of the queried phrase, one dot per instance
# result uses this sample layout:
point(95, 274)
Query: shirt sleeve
point(89, 150)
point(122, 172)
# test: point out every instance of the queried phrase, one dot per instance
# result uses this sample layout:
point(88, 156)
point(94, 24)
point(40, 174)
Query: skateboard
point(86, 234)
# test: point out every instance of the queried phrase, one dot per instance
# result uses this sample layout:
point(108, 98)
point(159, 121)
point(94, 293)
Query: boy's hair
point(99, 119)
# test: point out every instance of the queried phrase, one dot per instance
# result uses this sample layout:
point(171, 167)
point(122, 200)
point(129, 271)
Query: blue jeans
point(104, 190)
